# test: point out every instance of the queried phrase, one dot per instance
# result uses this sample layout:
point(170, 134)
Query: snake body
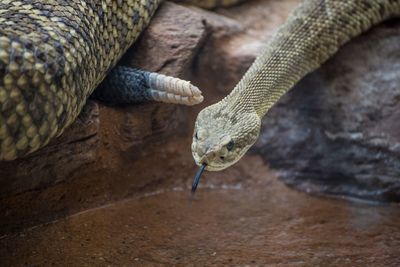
point(53, 55)
point(313, 33)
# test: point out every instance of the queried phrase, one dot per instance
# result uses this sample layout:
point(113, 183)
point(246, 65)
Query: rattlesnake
point(313, 32)
point(54, 53)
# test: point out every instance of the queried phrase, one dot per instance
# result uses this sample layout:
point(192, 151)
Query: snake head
point(221, 137)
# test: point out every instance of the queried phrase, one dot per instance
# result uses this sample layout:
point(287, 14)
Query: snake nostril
point(222, 157)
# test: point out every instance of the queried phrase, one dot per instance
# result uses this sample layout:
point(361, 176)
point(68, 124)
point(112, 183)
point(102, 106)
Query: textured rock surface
point(133, 150)
point(102, 132)
point(73, 172)
point(237, 37)
point(65, 157)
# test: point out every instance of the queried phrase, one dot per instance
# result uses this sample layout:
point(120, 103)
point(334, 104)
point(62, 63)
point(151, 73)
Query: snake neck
point(312, 34)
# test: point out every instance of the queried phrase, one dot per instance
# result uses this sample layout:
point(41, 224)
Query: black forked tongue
point(196, 179)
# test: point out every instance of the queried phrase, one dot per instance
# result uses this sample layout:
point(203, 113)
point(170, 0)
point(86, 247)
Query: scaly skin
point(211, 3)
point(127, 86)
point(313, 33)
point(53, 54)
point(52, 57)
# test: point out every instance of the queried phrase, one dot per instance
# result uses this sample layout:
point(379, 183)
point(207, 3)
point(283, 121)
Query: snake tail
point(126, 86)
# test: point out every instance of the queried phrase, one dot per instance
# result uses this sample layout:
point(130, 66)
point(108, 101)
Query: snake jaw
point(217, 158)
point(222, 137)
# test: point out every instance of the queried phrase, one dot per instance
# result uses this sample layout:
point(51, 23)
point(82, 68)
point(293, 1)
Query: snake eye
point(196, 136)
point(230, 145)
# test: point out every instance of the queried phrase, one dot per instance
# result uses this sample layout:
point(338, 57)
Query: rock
point(167, 47)
point(237, 36)
point(105, 137)
point(62, 158)
point(74, 171)
point(170, 43)
point(336, 132)
point(226, 55)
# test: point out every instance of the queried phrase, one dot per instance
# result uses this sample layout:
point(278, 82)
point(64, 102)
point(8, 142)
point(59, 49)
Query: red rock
point(85, 163)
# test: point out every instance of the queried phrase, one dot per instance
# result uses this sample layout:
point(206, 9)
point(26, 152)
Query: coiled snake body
point(54, 53)
point(313, 33)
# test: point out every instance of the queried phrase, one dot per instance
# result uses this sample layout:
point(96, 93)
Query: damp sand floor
point(249, 220)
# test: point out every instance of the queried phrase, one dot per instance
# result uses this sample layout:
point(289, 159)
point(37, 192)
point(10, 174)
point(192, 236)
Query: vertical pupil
point(229, 146)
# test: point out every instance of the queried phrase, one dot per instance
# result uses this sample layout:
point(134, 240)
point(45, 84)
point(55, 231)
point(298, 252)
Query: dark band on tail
point(126, 86)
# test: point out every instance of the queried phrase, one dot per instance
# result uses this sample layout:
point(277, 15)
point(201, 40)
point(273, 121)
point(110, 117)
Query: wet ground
point(241, 217)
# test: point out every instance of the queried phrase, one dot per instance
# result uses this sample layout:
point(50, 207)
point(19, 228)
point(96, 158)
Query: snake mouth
point(212, 166)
